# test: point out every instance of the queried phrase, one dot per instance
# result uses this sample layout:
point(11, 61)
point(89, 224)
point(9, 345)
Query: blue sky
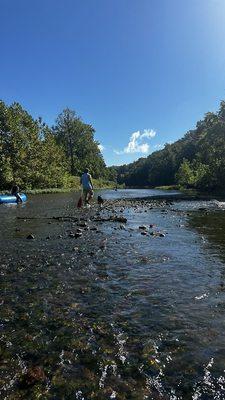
point(143, 72)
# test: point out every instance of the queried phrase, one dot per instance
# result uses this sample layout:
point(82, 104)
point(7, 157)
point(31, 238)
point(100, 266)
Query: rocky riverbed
point(118, 302)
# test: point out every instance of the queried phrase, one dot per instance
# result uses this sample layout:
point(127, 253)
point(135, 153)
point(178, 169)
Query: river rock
point(71, 234)
point(30, 236)
point(122, 227)
point(78, 235)
point(123, 220)
point(143, 227)
point(82, 224)
point(144, 233)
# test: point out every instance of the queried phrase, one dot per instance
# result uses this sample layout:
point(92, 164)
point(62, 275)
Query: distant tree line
point(35, 155)
point(195, 161)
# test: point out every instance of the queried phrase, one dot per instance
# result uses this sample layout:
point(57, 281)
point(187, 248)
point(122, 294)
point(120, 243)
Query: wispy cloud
point(101, 147)
point(136, 144)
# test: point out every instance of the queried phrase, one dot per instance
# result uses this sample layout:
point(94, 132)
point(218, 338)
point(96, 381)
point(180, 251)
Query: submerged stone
point(30, 236)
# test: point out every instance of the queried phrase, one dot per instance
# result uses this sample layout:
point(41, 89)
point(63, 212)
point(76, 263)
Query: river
point(115, 314)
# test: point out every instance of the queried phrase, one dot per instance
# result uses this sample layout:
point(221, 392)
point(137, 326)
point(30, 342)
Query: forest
point(36, 156)
point(196, 161)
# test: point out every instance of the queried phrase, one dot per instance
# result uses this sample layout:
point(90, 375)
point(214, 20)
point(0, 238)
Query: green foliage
point(185, 175)
point(111, 174)
point(77, 140)
point(37, 157)
point(197, 160)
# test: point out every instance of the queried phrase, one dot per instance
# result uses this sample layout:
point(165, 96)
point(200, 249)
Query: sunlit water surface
point(117, 315)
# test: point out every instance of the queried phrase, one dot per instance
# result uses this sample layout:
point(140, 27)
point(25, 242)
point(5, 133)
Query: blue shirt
point(85, 181)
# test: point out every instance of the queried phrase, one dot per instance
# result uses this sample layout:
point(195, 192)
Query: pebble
point(82, 224)
point(78, 235)
point(143, 227)
point(71, 234)
point(30, 236)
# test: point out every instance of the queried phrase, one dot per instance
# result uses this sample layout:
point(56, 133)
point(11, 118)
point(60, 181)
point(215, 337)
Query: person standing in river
point(87, 185)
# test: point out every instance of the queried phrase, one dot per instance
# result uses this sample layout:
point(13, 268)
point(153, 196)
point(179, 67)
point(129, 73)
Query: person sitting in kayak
point(15, 192)
point(86, 182)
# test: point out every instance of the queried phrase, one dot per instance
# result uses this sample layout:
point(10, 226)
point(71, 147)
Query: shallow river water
point(114, 314)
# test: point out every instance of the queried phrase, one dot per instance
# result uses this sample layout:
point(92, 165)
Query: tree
point(77, 140)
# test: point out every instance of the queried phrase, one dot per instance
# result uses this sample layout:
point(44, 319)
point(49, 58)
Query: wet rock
point(71, 235)
point(93, 228)
point(103, 244)
point(119, 219)
point(31, 236)
point(144, 233)
point(78, 235)
point(122, 227)
point(82, 224)
point(162, 234)
point(151, 225)
point(143, 227)
point(79, 230)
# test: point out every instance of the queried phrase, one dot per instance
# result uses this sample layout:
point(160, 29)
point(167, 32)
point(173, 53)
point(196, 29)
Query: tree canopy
point(36, 156)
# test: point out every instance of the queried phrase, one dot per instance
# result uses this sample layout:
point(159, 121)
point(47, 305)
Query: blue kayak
point(5, 198)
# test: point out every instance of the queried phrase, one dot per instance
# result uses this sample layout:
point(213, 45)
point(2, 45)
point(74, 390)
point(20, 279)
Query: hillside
point(197, 160)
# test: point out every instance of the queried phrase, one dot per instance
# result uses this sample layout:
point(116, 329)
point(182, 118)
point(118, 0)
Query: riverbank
point(122, 302)
point(193, 192)
point(75, 185)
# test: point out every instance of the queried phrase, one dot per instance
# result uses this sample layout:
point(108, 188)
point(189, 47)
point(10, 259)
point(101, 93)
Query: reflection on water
point(133, 193)
point(211, 225)
point(141, 318)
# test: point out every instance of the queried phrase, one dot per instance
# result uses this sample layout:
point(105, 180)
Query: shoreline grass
point(98, 184)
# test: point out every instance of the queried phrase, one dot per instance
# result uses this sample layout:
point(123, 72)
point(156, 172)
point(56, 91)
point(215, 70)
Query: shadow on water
point(211, 225)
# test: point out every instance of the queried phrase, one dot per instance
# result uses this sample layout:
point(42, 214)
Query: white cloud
point(136, 144)
point(101, 147)
point(148, 133)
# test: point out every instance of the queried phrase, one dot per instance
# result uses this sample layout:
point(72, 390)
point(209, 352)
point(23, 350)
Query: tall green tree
point(77, 140)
